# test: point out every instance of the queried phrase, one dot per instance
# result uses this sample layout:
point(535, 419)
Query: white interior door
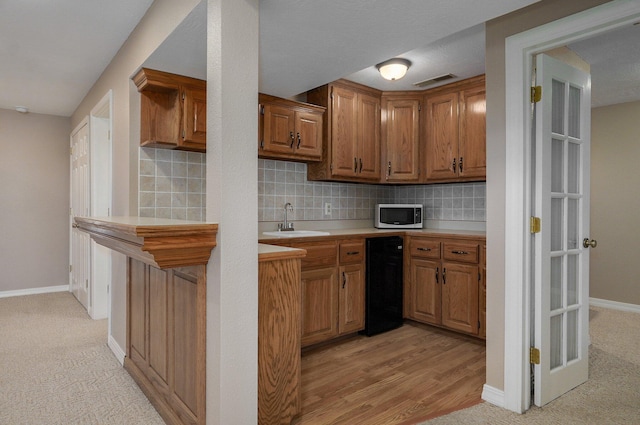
point(80, 245)
point(562, 127)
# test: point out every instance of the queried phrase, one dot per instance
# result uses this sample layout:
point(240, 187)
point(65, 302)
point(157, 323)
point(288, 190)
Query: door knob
point(589, 243)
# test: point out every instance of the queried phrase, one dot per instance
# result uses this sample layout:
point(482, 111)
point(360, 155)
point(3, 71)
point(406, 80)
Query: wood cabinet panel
point(279, 364)
point(352, 293)
point(352, 251)
point(460, 297)
point(482, 294)
point(173, 110)
point(137, 307)
point(445, 290)
point(159, 312)
point(319, 305)
point(442, 136)
point(319, 254)
point(351, 136)
point(473, 130)
point(425, 291)
point(402, 141)
point(289, 130)
point(185, 346)
point(460, 251)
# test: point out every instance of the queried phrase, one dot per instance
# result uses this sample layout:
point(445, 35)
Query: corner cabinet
point(455, 148)
point(351, 133)
point(173, 110)
point(289, 130)
point(401, 141)
point(443, 284)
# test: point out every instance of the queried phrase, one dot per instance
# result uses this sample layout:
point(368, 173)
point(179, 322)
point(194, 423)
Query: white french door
point(80, 246)
point(562, 138)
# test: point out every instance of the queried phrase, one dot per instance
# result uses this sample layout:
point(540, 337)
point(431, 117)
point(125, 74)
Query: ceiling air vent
point(434, 80)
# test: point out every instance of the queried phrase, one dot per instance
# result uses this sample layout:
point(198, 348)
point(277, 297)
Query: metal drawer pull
point(344, 280)
point(355, 165)
point(424, 249)
point(460, 252)
point(444, 275)
point(353, 252)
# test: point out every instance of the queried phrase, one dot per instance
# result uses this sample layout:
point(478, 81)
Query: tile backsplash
point(172, 184)
point(280, 182)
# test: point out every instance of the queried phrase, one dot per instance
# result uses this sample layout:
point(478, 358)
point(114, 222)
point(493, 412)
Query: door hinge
point(419, 107)
point(534, 225)
point(262, 144)
point(183, 95)
point(261, 109)
point(184, 135)
point(534, 355)
point(536, 94)
point(331, 166)
point(70, 268)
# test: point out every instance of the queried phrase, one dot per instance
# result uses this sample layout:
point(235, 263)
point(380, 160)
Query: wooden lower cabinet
point(443, 283)
point(166, 338)
point(319, 305)
point(351, 299)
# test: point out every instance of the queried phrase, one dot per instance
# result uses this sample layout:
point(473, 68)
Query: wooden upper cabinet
point(173, 110)
point(455, 148)
point(473, 130)
point(402, 139)
point(289, 130)
point(442, 136)
point(351, 140)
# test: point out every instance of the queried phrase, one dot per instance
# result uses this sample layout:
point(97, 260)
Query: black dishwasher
point(383, 307)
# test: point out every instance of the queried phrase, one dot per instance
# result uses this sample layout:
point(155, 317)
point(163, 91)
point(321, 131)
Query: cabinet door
point(137, 311)
point(308, 137)
point(194, 119)
point(368, 137)
point(351, 310)
point(402, 141)
point(442, 137)
point(319, 305)
point(344, 110)
point(278, 128)
point(472, 161)
point(460, 297)
point(425, 291)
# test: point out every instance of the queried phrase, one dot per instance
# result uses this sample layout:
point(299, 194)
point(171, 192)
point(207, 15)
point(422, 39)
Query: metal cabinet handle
point(292, 140)
point(437, 273)
point(353, 252)
point(444, 275)
point(361, 165)
point(344, 280)
point(454, 165)
point(389, 169)
point(424, 249)
point(460, 252)
point(355, 165)
point(299, 140)
point(460, 164)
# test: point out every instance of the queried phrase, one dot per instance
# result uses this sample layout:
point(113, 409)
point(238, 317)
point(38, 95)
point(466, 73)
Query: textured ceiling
point(51, 53)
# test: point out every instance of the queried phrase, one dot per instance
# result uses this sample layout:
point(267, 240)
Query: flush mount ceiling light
point(393, 69)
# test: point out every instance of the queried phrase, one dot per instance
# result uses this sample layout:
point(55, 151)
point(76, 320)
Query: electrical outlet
point(327, 208)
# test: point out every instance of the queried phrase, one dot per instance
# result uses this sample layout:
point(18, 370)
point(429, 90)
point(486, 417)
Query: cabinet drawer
point(464, 252)
point(425, 248)
point(352, 251)
point(319, 254)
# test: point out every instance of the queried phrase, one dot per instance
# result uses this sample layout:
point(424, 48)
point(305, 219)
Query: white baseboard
point(614, 305)
point(116, 349)
point(34, 291)
point(493, 395)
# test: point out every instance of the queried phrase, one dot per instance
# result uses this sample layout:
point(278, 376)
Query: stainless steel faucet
point(286, 225)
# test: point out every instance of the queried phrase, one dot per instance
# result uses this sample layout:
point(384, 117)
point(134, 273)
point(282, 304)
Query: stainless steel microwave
point(398, 216)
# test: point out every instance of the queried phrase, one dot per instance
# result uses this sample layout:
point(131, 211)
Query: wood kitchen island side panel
point(279, 335)
point(166, 307)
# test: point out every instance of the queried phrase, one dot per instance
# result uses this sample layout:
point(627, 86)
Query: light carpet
point(56, 368)
point(610, 396)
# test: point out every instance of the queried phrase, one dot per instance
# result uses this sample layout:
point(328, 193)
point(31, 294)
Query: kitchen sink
point(296, 233)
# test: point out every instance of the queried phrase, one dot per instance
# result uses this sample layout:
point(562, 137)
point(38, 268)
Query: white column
point(232, 201)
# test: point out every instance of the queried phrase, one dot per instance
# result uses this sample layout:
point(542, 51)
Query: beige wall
point(497, 31)
point(34, 206)
point(615, 202)
point(160, 20)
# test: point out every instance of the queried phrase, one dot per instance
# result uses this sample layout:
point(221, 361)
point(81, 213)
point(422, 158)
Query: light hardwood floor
point(402, 376)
